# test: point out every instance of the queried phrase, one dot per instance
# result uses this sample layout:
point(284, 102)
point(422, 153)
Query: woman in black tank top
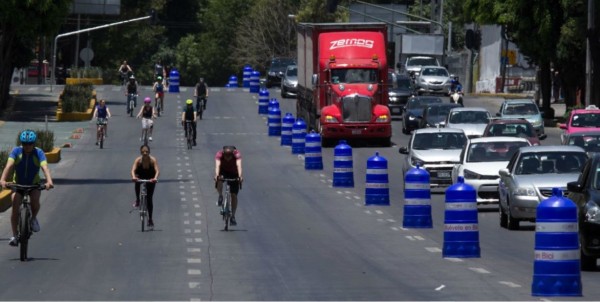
point(145, 167)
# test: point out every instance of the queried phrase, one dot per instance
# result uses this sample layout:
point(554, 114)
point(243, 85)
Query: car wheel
point(588, 263)
point(513, 223)
point(503, 218)
point(283, 93)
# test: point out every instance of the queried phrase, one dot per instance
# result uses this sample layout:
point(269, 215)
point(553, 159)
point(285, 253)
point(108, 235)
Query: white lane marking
point(182, 187)
point(348, 192)
point(357, 197)
point(380, 212)
point(186, 214)
point(198, 239)
point(339, 192)
point(348, 197)
point(454, 259)
point(479, 270)
point(194, 260)
point(322, 175)
point(394, 228)
point(198, 214)
point(198, 222)
point(183, 199)
point(411, 238)
point(368, 212)
point(440, 287)
point(433, 249)
point(391, 220)
point(187, 231)
point(324, 181)
point(509, 284)
point(193, 285)
point(198, 231)
point(194, 250)
point(419, 238)
point(194, 272)
point(186, 222)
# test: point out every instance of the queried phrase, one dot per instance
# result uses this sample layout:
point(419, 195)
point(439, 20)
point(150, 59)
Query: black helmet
point(228, 149)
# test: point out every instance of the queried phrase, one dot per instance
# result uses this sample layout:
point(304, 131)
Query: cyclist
point(125, 71)
point(189, 114)
point(102, 112)
point(159, 93)
point(23, 165)
point(145, 167)
point(132, 91)
point(159, 69)
point(228, 164)
point(201, 94)
point(147, 114)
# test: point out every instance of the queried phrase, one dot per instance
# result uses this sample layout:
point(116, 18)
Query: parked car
point(507, 127)
point(473, 120)
point(580, 120)
point(289, 83)
point(401, 89)
point(588, 140)
point(435, 114)
point(585, 192)
point(276, 70)
point(480, 161)
point(523, 109)
point(435, 149)
point(414, 109)
point(434, 80)
point(530, 176)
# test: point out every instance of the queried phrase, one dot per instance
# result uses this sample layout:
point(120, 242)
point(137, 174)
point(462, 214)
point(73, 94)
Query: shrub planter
point(75, 116)
point(5, 200)
point(53, 156)
point(94, 81)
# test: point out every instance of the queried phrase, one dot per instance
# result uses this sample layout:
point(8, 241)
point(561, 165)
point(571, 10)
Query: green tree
point(22, 24)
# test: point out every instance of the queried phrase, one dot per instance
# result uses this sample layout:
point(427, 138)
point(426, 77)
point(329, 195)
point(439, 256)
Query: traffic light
point(153, 18)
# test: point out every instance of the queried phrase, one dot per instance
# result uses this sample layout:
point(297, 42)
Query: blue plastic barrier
point(377, 190)
point(263, 101)
point(274, 120)
point(286, 129)
point(417, 199)
point(461, 225)
point(254, 82)
point(233, 82)
point(557, 267)
point(246, 74)
point(298, 136)
point(343, 174)
point(313, 159)
point(174, 81)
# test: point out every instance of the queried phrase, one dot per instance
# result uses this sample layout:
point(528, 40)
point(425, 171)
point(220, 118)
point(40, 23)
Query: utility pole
point(589, 72)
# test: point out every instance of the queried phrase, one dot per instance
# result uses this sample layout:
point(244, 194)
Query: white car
point(480, 161)
point(435, 149)
point(433, 79)
point(472, 120)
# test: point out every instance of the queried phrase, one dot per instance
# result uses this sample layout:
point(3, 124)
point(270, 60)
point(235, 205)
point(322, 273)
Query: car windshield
point(516, 130)
point(281, 64)
point(439, 140)
point(521, 109)
point(590, 143)
point(551, 162)
point(402, 83)
point(439, 110)
point(421, 61)
point(591, 120)
point(469, 117)
point(421, 103)
point(292, 72)
point(354, 75)
point(493, 151)
point(438, 72)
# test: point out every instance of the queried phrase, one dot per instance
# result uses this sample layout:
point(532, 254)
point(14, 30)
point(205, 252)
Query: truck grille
point(356, 108)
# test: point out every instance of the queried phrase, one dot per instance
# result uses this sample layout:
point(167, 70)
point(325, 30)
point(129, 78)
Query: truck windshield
point(355, 75)
point(421, 62)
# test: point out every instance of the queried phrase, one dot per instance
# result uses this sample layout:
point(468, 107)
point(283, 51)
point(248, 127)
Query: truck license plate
point(443, 174)
point(356, 131)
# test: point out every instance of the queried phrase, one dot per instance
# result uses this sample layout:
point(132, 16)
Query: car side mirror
point(543, 136)
point(574, 186)
point(504, 172)
point(403, 150)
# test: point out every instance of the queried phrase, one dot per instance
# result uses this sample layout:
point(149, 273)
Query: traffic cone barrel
point(461, 227)
point(298, 136)
point(263, 101)
point(377, 190)
point(557, 267)
point(343, 174)
point(246, 74)
point(174, 81)
point(233, 82)
point(417, 199)
point(274, 120)
point(313, 159)
point(254, 82)
point(286, 129)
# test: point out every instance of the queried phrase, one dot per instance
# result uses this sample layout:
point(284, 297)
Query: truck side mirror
point(315, 77)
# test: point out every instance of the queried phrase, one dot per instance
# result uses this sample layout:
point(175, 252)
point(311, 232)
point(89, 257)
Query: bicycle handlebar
point(146, 180)
point(221, 179)
point(27, 188)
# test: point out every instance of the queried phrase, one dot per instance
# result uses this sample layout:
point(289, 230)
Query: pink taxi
point(579, 120)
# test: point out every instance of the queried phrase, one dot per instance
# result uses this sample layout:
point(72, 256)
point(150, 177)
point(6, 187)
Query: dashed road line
point(433, 249)
point(509, 284)
point(479, 270)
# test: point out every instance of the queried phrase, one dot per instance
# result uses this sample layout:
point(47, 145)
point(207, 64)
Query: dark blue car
point(414, 109)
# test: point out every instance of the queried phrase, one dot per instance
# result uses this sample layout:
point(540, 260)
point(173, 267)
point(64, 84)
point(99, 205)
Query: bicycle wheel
point(101, 137)
point(227, 211)
point(145, 137)
point(189, 136)
point(143, 212)
point(24, 231)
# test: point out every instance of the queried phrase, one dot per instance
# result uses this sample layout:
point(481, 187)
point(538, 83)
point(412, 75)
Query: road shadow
point(32, 108)
point(97, 181)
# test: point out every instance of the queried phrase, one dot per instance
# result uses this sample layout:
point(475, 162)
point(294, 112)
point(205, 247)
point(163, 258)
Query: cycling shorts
point(234, 186)
point(160, 94)
point(147, 123)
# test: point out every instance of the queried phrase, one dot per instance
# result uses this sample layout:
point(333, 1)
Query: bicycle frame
point(101, 130)
point(24, 229)
point(200, 105)
point(226, 210)
point(131, 100)
point(190, 135)
point(143, 209)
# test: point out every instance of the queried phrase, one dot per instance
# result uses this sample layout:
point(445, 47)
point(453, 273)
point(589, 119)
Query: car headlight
point(536, 123)
point(471, 175)
point(525, 192)
point(393, 99)
point(592, 212)
point(412, 117)
point(384, 118)
point(415, 161)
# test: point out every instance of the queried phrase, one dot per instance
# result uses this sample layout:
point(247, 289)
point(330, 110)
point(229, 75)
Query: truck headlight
point(384, 118)
point(330, 119)
point(592, 212)
point(524, 192)
point(471, 175)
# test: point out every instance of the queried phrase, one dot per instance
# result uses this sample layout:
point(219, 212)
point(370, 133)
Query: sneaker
point(35, 225)
point(96, 143)
point(150, 138)
point(13, 241)
point(220, 202)
point(232, 221)
point(136, 204)
point(151, 223)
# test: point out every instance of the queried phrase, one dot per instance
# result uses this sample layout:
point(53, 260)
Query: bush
point(91, 72)
point(45, 139)
point(76, 98)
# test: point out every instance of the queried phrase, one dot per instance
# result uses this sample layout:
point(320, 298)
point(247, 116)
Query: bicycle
point(157, 106)
point(226, 206)
point(131, 100)
point(189, 134)
point(200, 103)
point(24, 228)
point(143, 208)
point(101, 131)
point(145, 135)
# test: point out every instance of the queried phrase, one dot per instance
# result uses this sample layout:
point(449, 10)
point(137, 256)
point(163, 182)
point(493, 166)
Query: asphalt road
point(297, 238)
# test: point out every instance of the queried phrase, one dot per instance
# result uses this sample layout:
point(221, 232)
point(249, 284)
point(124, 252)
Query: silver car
point(289, 82)
point(480, 161)
point(433, 79)
point(530, 176)
point(472, 120)
point(523, 109)
point(435, 149)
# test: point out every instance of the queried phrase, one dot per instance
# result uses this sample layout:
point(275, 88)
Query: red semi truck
point(342, 81)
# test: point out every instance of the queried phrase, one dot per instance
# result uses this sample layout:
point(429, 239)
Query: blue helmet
point(28, 137)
